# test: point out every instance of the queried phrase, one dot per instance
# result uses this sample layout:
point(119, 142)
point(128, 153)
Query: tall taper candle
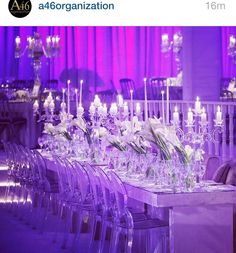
point(167, 102)
point(63, 104)
point(80, 92)
point(76, 101)
point(190, 116)
point(198, 105)
point(163, 106)
point(131, 108)
point(63, 95)
point(17, 40)
point(203, 116)
point(68, 96)
point(218, 116)
point(145, 99)
point(176, 115)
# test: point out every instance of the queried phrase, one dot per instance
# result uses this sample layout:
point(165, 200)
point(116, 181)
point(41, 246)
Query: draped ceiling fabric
point(99, 55)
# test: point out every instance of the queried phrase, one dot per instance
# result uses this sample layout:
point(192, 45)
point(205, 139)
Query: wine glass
point(201, 173)
point(40, 142)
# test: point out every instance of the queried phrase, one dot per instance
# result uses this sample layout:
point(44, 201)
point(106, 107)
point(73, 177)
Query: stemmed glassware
point(150, 153)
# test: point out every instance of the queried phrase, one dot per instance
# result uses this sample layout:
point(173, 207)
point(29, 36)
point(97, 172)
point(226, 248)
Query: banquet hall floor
point(18, 237)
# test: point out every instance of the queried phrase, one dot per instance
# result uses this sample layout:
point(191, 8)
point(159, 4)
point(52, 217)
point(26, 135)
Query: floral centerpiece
point(22, 94)
point(165, 139)
point(117, 142)
point(57, 131)
point(80, 123)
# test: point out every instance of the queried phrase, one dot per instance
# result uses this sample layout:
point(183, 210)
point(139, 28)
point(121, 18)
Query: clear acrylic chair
point(60, 170)
point(41, 193)
point(107, 218)
point(26, 180)
point(18, 175)
point(74, 199)
point(125, 225)
point(103, 217)
point(91, 209)
point(11, 164)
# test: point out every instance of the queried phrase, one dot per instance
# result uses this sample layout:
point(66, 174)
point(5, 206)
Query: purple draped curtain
point(99, 55)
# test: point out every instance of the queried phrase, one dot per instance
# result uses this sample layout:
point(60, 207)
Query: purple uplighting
point(99, 55)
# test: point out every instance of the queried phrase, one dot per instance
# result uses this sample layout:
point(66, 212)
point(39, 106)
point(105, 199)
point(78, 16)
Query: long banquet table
point(200, 221)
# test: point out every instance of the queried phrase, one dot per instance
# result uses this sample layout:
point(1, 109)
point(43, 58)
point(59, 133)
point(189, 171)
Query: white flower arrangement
point(58, 130)
point(139, 144)
point(138, 136)
point(80, 123)
point(125, 127)
point(49, 129)
point(130, 135)
point(165, 138)
point(116, 142)
point(22, 94)
point(189, 151)
point(194, 155)
point(154, 132)
point(100, 132)
point(198, 156)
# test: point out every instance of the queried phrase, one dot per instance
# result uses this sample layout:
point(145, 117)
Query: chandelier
point(36, 49)
point(232, 48)
point(174, 45)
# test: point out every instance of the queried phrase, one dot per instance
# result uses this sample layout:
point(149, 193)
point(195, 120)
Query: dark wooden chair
point(11, 122)
point(52, 84)
point(107, 96)
point(126, 85)
point(156, 84)
point(30, 84)
point(225, 82)
point(227, 95)
point(19, 84)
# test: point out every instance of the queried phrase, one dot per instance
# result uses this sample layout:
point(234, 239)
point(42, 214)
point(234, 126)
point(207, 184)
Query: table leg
point(203, 229)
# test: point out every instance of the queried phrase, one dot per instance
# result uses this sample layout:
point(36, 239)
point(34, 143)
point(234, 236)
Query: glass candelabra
point(48, 114)
point(97, 112)
point(198, 131)
point(232, 48)
point(36, 49)
point(175, 45)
